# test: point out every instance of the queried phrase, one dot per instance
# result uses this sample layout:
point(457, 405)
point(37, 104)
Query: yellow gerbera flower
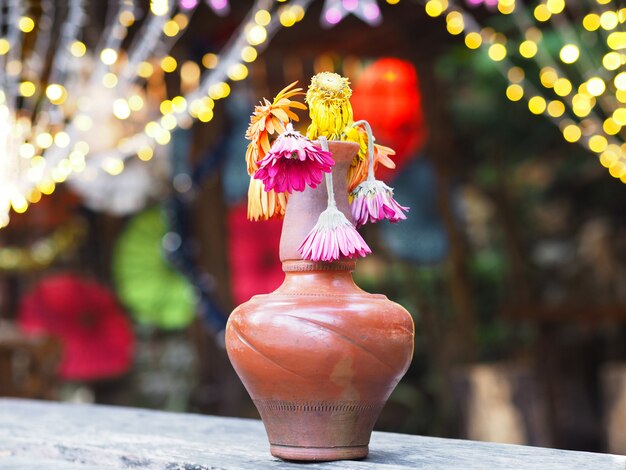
point(328, 98)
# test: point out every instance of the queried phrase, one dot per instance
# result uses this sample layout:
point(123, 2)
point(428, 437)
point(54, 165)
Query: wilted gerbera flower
point(333, 237)
point(292, 163)
point(328, 98)
point(373, 201)
point(263, 205)
point(267, 119)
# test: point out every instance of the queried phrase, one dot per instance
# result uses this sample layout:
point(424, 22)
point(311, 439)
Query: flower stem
point(329, 176)
point(370, 147)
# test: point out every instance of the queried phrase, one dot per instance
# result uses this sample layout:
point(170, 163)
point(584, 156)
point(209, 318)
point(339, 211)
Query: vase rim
point(300, 265)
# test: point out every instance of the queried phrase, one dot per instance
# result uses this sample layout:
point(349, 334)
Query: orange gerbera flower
point(267, 119)
point(263, 205)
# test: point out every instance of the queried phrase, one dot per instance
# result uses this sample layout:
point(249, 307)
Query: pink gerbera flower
point(292, 163)
point(333, 237)
point(373, 201)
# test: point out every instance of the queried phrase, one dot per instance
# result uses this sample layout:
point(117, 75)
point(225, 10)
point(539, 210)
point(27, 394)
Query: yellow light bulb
point(569, 54)
point(78, 49)
point(121, 110)
point(597, 143)
point(497, 52)
point(455, 23)
point(611, 127)
point(248, 54)
point(473, 40)
point(256, 35)
point(562, 87)
point(62, 139)
point(596, 86)
point(27, 89)
point(537, 105)
point(44, 140)
point(56, 93)
point(591, 22)
point(210, 60)
point(126, 18)
point(514, 92)
point(108, 56)
point(528, 49)
point(145, 69)
point(179, 104)
point(159, 7)
point(572, 133)
point(612, 61)
point(556, 108)
point(542, 13)
point(168, 64)
point(616, 40)
point(5, 46)
point(619, 115)
point(548, 77)
point(609, 20)
point(171, 28)
point(113, 166)
point(262, 17)
point(620, 81)
point(109, 80)
point(617, 169)
point(26, 24)
point(434, 8)
point(555, 6)
point(237, 72)
point(166, 107)
point(135, 102)
point(145, 153)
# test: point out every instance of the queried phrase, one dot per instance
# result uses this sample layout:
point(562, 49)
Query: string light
point(52, 152)
point(589, 111)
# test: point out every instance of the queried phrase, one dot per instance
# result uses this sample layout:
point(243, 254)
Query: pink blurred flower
point(292, 163)
point(373, 201)
point(333, 237)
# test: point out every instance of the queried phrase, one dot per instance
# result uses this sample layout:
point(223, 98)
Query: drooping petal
point(372, 201)
point(333, 237)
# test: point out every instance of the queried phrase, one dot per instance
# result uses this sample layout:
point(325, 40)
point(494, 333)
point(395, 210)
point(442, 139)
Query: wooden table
point(53, 436)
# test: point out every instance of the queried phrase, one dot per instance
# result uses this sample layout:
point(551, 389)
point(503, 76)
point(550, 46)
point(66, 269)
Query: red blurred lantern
point(387, 96)
point(255, 266)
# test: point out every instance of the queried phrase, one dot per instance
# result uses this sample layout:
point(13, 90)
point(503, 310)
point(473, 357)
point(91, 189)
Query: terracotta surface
point(319, 356)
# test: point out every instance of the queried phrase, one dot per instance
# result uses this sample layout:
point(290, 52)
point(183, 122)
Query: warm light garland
point(44, 251)
point(49, 122)
point(581, 86)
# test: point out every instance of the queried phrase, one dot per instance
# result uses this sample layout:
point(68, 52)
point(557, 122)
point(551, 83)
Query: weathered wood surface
point(53, 436)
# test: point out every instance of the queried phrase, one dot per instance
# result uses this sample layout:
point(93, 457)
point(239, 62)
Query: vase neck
point(308, 277)
point(304, 208)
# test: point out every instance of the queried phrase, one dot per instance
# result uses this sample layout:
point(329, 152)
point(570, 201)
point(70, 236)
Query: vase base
point(319, 454)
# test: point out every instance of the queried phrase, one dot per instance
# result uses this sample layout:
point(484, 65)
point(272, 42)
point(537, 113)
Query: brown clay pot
point(319, 356)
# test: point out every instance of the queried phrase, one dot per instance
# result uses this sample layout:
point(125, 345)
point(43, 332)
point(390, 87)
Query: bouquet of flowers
point(292, 161)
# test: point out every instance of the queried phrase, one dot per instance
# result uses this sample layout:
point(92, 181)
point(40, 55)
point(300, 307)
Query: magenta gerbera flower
point(333, 237)
point(293, 163)
point(372, 200)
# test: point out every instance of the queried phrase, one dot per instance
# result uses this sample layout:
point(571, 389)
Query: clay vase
point(319, 356)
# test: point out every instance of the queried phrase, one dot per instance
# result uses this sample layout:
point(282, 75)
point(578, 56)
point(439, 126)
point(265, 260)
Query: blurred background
point(124, 242)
